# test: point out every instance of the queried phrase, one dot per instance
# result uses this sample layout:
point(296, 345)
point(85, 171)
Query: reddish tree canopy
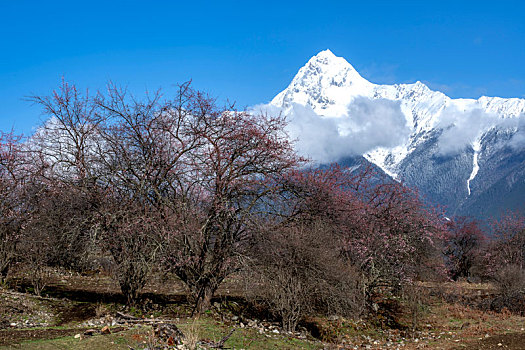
point(384, 228)
point(463, 246)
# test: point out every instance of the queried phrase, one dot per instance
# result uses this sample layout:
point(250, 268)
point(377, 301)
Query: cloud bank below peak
point(367, 125)
point(462, 128)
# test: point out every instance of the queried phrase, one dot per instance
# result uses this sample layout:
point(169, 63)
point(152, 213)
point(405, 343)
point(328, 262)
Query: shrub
point(510, 289)
point(296, 270)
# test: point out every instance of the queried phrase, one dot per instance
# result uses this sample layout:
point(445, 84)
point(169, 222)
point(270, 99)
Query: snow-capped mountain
point(457, 151)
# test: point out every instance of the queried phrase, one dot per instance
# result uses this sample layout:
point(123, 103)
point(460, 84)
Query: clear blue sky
point(248, 51)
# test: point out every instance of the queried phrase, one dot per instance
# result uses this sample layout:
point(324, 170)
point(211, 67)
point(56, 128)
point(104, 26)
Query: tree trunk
point(3, 273)
point(130, 294)
point(203, 296)
point(131, 285)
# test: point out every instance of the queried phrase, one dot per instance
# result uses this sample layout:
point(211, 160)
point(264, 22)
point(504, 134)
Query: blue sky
point(248, 51)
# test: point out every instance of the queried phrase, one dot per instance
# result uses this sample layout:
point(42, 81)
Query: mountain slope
point(465, 154)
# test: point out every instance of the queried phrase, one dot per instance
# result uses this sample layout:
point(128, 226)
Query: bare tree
point(130, 233)
point(204, 169)
point(231, 174)
point(64, 167)
point(64, 144)
point(12, 206)
point(142, 163)
point(201, 169)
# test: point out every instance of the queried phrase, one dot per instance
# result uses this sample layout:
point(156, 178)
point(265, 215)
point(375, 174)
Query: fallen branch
point(123, 318)
point(220, 343)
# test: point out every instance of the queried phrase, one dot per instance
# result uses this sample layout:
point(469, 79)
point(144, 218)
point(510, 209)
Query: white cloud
point(462, 128)
point(372, 123)
point(369, 123)
point(517, 142)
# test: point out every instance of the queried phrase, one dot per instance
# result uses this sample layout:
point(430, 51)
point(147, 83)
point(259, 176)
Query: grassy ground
point(205, 329)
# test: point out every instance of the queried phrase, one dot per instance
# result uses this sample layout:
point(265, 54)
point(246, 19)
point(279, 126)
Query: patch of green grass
point(205, 328)
point(96, 342)
point(134, 311)
point(121, 340)
point(246, 338)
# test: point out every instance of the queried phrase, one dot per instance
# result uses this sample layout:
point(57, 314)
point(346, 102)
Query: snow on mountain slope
point(476, 146)
point(327, 84)
point(330, 87)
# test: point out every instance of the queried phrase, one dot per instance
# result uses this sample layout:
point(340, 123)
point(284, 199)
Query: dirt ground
point(513, 341)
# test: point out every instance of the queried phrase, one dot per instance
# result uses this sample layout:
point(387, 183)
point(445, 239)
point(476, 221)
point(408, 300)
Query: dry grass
point(192, 335)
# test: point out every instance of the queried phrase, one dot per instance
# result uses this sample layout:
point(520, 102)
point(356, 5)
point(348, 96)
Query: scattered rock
point(169, 332)
point(78, 336)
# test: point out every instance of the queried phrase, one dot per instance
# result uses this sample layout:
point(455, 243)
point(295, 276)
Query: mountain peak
point(327, 58)
point(325, 54)
point(325, 81)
